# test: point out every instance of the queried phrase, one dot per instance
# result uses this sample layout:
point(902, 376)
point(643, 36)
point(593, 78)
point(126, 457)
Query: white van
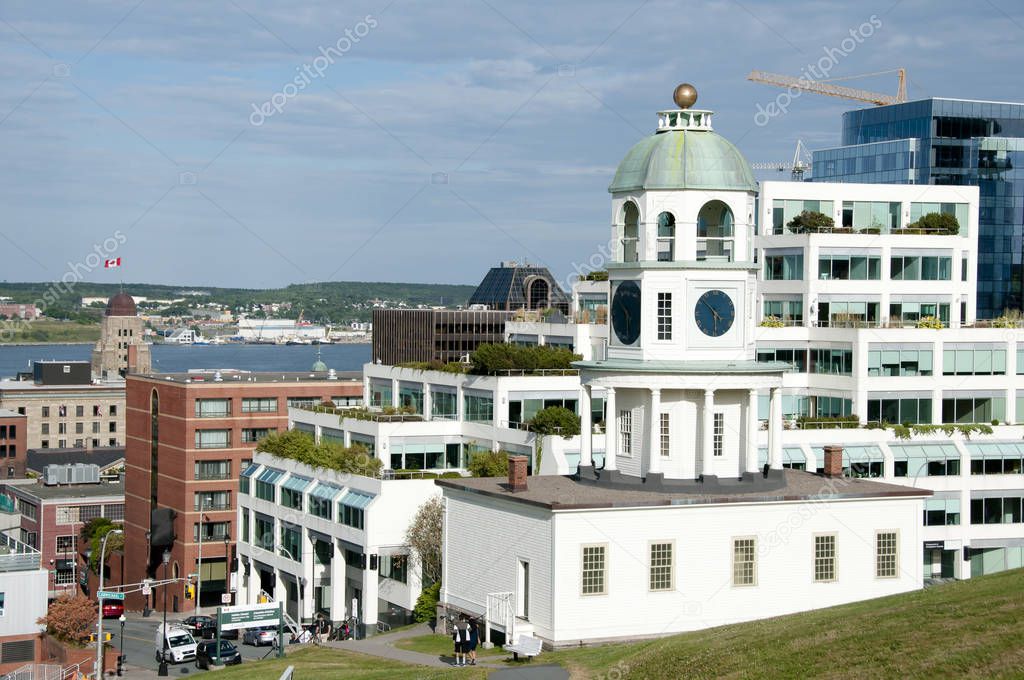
point(177, 646)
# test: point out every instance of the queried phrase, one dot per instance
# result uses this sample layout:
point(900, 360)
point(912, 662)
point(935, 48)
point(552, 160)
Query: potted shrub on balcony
point(772, 322)
point(936, 223)
point(930, 322)
point(810, 222)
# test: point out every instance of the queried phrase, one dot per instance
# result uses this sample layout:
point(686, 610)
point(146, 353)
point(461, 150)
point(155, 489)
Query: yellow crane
point(823, 86)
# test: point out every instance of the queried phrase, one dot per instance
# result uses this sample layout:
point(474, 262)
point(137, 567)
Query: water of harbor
point(172, 358)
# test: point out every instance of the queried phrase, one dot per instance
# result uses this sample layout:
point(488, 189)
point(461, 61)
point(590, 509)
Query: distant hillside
point(335, 302)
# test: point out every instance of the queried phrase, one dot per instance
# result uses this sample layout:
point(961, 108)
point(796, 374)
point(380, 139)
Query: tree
point(114, 543)
point(943, 223)
point(70, 618)
point(489, 464)
point(810, 221)
point(424, 538)
point(550, 421)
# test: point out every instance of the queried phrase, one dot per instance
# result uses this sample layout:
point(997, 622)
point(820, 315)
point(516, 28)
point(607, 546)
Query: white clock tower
point(681, 379)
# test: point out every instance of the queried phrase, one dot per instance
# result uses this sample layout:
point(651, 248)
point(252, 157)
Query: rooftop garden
point(934, 224)
point(299, 446)
point(507, 359)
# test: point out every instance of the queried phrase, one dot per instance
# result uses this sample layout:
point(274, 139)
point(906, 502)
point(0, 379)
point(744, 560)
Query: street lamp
point(227, 564)
point(162, 671)
point(145, 605)
point(120, 659)
point(99, 623)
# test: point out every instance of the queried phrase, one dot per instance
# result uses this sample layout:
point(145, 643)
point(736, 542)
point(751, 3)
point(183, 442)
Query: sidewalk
point(383, 646)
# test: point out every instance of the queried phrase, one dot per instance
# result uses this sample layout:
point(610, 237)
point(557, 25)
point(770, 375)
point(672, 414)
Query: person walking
point(461, 638)
point(474, 640)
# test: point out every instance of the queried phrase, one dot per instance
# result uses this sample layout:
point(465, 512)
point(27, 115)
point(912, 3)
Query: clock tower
point(681, 381)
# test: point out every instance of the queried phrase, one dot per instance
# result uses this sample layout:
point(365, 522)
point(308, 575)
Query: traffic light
point(106, 637)
point(190, 591)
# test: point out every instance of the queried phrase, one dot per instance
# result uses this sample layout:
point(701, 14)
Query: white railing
point(501, 611)
point(41, 671)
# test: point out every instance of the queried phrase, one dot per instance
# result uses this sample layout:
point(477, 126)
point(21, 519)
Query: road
point(139, 643)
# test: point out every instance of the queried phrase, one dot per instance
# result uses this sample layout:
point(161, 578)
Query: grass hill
point(969, 629)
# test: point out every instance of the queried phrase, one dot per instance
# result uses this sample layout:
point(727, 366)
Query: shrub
point(944, 223)
point(490, 359)
point(810, 221)
point(489, 464)
point(772, 322)
point(555, 420)
point(930, 322)
point(426, 603)
point(299, 446)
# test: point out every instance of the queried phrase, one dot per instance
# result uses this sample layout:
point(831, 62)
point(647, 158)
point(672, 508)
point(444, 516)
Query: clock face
point(626, 312)
point(714, 313)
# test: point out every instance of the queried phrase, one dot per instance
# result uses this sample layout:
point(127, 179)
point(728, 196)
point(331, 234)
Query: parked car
point(174, 644)
point(264, 635)
point(112, 609)
point(206, 651)
point(201, 626)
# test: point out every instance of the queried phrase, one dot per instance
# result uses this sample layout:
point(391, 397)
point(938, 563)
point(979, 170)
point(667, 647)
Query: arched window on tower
point(630, 232)
point(666, 237)
point(539, 294)
point(715, 232)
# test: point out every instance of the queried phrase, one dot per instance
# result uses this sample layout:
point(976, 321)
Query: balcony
point(367, 414)
point(17, 556)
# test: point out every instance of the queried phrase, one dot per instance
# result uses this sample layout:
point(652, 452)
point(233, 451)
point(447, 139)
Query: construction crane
point(822, 86)
point(800, 164)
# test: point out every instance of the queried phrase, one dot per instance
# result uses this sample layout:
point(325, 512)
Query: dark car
point(207, 650)
point(201, 626)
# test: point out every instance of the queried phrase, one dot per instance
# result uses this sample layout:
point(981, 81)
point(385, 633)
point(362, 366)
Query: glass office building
point(948, 141)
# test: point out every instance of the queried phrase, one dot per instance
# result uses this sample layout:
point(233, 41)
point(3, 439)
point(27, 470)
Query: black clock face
point(626, 312)
point(714, 313)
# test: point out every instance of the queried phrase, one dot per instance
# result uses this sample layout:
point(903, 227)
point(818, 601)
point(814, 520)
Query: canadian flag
point(116, 262)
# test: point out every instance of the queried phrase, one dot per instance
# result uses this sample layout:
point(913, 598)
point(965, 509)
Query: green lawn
point(442, 645)
point(335, 664)
point(969, 629)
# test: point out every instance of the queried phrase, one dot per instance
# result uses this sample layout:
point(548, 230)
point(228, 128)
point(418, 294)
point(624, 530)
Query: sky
point(255, 144)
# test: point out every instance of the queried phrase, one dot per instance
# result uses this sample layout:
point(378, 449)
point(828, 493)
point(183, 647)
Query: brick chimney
point(833, 461)
point(517, 473)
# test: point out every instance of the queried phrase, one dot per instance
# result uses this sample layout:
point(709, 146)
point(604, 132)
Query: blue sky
point(138, 118)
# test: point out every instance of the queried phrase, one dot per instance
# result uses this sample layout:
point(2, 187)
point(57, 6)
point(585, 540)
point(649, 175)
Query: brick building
point(64, 407)
point(52, 517)
point(13, 432)
point(189, 437)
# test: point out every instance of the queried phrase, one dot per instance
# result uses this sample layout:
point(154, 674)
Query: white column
point(654, 464)
point(752, 427)
point(611, 437)
point(369, 603)
point(707, 433)
point(366, 391)
point(426, 401)
point(337, 581)
point(395, 401)
point(775, 429)
point(306, 594)
point(586, 428)
point(460, 408)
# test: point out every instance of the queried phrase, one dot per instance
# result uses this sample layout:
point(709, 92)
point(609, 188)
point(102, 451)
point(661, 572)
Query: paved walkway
point(384, 647)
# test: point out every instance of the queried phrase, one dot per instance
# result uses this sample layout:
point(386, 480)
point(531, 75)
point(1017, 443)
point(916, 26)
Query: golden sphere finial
point(685, 95)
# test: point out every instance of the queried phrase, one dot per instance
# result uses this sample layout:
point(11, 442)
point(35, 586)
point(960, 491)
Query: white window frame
point(584, 570)
point(626, 432)
point(895, 533)
point(57, 548)
point(665, 427)
point(664, 320)
point(834, 557)
point(671, 566)
point(718, 434)
point(753, 560)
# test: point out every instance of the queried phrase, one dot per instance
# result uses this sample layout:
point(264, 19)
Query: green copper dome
point(683, 159)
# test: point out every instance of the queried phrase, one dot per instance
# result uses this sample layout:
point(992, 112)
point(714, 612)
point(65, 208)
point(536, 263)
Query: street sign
point(225, 598)
point(108, 595)
point(247, 616)
point(146, 590)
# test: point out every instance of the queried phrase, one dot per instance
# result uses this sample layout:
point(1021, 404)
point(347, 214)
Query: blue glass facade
point(950, 142)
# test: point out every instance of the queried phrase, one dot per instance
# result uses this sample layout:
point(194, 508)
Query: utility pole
point(199, 570)
point(99, 623)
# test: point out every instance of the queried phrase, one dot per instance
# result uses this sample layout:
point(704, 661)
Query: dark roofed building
point(105, 458)
point(513, 286)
